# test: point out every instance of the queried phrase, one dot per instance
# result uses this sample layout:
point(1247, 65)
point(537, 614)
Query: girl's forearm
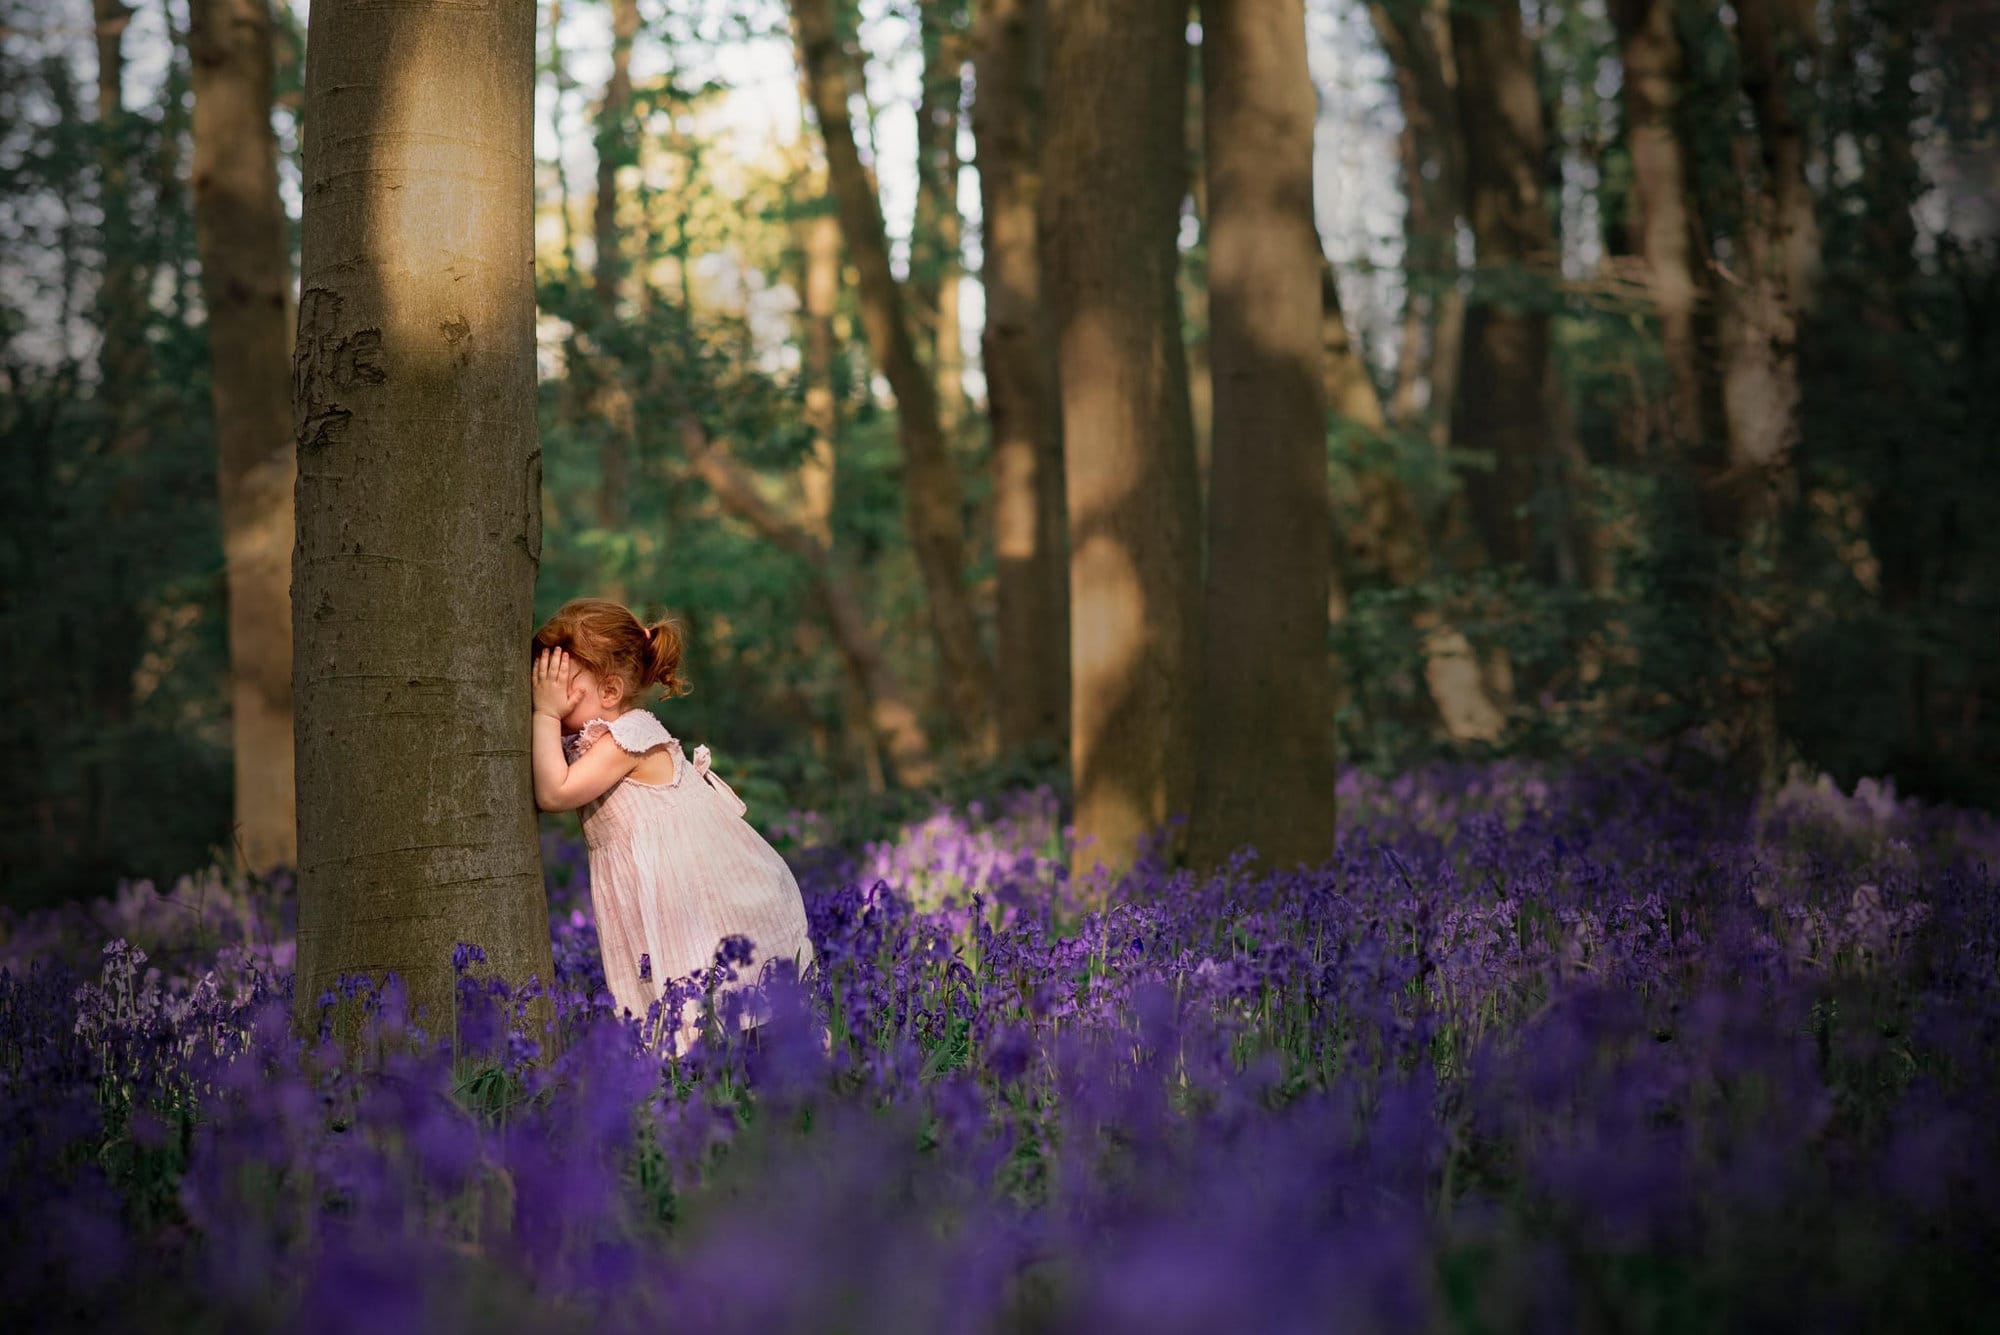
point(546, 753)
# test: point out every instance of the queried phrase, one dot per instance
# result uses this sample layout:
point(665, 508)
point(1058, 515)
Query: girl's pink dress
point(674, 868)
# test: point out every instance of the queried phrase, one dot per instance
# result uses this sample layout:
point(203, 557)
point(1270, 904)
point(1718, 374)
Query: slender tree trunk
point(935, 237)
point(1508, 400)
point(820, 244)
point(1021, 399)
point(930, 483)
point(950, 340)
point(1347, 388)
point(1114, 177)
point(246, 276)
point(1387, 533)
point(888, 722)
point(615, 146)
point(1414, 36)
point(1966, 139)
point(419, 500)
point(124, 373)
point(1769, 35)
point(122, 299)
point(1666, 227)
point(1193, 280)
point(1770, 285)
point(1266, 777)
point(559, 75)
point(894, 721)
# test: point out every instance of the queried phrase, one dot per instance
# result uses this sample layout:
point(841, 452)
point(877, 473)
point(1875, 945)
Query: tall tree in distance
point(122, 296)
point(1774, 270)
point(931, 487)
point(936, 233)
point(1266, 775)
point(1667, 220)
point(819, 285)
point(1021, 402)
point(1509, 403)
point(419, 500)
point(246, 275)
point(1414, 36)
point(615, 147)
point(1114, 177)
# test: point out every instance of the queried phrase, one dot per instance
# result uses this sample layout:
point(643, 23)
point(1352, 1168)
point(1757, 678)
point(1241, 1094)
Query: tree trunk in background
point(1769, 36)
point(1508, 405)
point(1266, 773)
point(930, 480)
point(935, 234)
point(246, 275)
point(948, 359)
point(559, 75)
point(1772, 273)
point(1655, 72)
point(1193, 284)
point(1414, 36)
point(1346, 387)
point(888, 723)
point(615, 148)
point(819, 237)
point(1114, 177)
point(1021, 397)
point(1388, 534)
point(1774, 269)
point(1967, 33)
point(122, 299)
point(124, 372)
point(894, 722)
point(419, 501)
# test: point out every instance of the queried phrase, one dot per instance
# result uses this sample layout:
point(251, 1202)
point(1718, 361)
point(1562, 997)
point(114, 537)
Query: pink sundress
point(674, 868)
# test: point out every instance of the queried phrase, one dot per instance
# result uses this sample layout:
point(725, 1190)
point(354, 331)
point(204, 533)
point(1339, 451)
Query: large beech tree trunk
point(1114, 177)
point(1266, 776)
point(419, 500)
point(246, 276)
point(931, 488)
point(1508, 400)
point(1026, 416)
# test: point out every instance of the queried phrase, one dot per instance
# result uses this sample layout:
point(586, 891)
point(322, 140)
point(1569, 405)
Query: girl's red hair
point(611, 641)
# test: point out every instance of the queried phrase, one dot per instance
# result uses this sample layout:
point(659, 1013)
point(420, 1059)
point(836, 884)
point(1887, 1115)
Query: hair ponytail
point(612, 642)
point(663, 657)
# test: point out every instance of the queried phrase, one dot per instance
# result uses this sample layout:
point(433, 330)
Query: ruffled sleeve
point(636, 730)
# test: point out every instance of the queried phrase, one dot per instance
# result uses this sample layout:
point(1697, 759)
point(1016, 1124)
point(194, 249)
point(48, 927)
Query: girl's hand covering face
point(553, 683)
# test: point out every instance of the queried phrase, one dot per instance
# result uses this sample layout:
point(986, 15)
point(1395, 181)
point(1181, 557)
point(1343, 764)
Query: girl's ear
point(611, 689)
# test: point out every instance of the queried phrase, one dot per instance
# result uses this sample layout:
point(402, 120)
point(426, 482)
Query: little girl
point(674, 867)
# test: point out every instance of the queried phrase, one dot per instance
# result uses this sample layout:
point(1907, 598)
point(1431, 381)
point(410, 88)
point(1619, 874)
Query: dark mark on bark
point(329, 360)
point(532, 535)
point(456, 328)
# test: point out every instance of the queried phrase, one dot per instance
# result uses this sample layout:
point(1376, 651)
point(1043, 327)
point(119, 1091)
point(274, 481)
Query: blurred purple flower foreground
point(1532, 1052)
